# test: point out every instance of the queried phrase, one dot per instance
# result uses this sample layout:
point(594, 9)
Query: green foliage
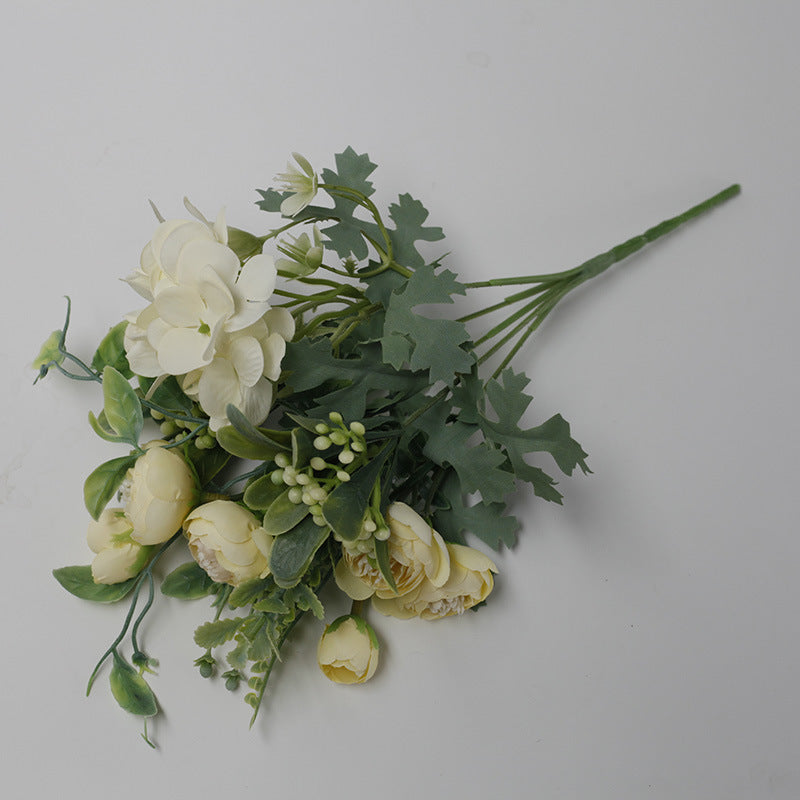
point(121, 406)
point(244, 244)
point(408, 215)
point(292, 552)
point(346, 505)
point(130, 689)
point(101, 484)
point(189, 581)
point(428, 344)
point(345, 236)
point(167, 394)
point(217, 632)
point(79, 581)
point(345, 383)
point(260, 493)
point(111, 351)
point(283, 515)
point(243, 439)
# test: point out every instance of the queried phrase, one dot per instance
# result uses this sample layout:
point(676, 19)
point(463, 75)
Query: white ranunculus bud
point(162, 491)
point(118, 557)
point(228, 542)
point(348, 650)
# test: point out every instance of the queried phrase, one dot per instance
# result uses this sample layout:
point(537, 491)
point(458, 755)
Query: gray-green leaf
point(187, 582)
point(293, 551)
point(79, 581)
point(130, 689)
point(121, 406)
point(101, 484)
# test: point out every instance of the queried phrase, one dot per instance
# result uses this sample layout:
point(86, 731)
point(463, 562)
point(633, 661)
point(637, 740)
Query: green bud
point(295, 495)
point(339, 438)
point(335, 417)
point(205, 442)
point(168, 428)
point(343, 476)
point(346, 457)
point(358, 428)
point(276, 476)
point(303, 479)
point(359, 447)
point(318, 464)
point(321, 427)
point(282, 460)
point(322, 443)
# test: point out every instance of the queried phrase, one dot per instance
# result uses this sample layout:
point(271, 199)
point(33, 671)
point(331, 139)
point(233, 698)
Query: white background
point(643, 639)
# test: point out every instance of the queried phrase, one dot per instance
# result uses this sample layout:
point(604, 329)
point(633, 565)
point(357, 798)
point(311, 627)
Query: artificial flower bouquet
point(287, 414)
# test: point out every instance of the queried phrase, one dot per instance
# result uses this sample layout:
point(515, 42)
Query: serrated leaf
point(101, 484)
point(428, 344)
point(237, 657)
point(79, 581)
point(271, 605)
point(553, 436)
point(293, 552)
point(304, 598)
point(345, 506)
point(217, 632)
point(111, 351)
point(480, 468)
point(346, 382)
point(487, 521)
point(247, 592)
point(187, 582)
point(408, 215)
point(130, 689)
point(121, 406)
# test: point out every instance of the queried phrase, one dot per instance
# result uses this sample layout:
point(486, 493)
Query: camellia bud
point(348, 650)
point(118, 556)
point(162, 490)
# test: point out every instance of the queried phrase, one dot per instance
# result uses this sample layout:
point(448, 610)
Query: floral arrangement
point(305, 421)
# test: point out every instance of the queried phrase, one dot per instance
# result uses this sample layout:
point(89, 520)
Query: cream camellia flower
point(416, 553)
point(243, 369)
point(118, 556)
point(348, 650)
point(161, 491)
point(301, 182)
point(469, 583)
point(228, 542)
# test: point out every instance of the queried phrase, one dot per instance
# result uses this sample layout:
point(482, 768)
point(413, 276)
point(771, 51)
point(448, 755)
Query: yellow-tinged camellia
point(161, 492)
point(118, 556)
point(348, 650)
point(469, 583)
point(228, 542)
point(416, 553)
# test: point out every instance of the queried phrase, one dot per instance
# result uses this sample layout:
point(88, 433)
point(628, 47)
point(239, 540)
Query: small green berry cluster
point(171, 427)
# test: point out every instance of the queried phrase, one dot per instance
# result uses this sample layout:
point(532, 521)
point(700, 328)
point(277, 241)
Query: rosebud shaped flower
point(161, 492)
point(348, 650)
point(118, 556)
point(304, 258)
point(416, 553)
point(469, 583)
point(228, 542)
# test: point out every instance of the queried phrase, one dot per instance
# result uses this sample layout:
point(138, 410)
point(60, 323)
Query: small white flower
point(301, 182)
